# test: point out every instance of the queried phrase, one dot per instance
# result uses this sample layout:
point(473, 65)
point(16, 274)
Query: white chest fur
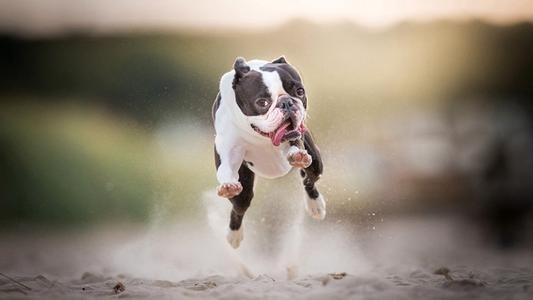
point(238, 145)
point(267, 160)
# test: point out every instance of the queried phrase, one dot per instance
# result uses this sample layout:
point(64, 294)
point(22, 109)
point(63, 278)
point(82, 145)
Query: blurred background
point(420, 108)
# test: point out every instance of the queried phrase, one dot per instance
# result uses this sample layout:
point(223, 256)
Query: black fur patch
point(217, 158)
point(250, 88)
point(241, 68)
point(242, 201)
point(280, 60)
point(312, 173)
point(290, 79)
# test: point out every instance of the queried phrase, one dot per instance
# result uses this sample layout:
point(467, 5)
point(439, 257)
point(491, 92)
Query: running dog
point(259, 118)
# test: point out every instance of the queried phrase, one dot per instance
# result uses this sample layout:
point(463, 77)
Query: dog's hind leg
point(314, 201)
point(241, 202)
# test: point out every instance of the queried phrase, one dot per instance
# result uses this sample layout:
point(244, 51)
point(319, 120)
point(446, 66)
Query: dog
point(259, 118)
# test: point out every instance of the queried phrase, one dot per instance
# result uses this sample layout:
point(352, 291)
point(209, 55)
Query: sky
point(53, 16)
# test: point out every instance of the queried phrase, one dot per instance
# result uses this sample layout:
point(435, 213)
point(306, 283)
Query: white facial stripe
point(271, 80)
point(274, 86)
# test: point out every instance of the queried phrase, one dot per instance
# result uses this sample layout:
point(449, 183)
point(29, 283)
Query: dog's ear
point(241, 68)
point(280, 60)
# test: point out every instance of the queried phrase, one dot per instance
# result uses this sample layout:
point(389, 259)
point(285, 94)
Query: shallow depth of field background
point(429, 118)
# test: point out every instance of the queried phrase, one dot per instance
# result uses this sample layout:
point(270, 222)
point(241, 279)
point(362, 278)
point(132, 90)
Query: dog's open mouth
point(287, 131)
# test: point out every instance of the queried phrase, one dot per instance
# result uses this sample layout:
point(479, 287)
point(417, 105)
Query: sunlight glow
point(45, 16)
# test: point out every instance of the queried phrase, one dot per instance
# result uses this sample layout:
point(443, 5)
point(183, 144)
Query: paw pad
point(229, 190)
point(300, 159)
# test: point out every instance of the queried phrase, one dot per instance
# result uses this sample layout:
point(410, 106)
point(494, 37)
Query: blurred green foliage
point(82, 115)
point(73, 164)
point(160, 76)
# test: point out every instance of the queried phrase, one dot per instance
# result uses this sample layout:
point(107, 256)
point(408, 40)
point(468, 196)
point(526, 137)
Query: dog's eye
point(300, 92)
point(262, 102)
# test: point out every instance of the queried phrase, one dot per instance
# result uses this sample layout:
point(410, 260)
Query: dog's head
point(271, 97)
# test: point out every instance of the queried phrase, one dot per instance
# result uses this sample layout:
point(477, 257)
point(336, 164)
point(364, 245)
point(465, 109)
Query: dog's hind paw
point(235, 237)
point(229, 190)
point(316, 208)
point(299, 159)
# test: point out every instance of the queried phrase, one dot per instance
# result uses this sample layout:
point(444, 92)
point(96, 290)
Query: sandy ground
point(400, 258)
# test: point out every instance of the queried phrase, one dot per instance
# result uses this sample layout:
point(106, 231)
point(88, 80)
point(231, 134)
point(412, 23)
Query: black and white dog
point(259, 118)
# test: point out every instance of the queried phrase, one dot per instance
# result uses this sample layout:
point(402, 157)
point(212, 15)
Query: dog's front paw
point(229, 190)
point(235, 237)
point(316, 208)
point(299, 159)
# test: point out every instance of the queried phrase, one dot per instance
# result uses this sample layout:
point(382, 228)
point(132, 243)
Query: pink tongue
point(277, 135)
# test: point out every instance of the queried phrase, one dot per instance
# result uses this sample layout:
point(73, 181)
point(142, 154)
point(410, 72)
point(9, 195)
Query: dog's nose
point(285, 102)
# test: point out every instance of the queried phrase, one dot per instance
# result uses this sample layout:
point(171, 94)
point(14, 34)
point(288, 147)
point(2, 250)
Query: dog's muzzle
point(290, 128)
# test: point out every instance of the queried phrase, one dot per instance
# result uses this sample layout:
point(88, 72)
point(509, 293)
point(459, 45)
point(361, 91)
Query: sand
point(427, 257)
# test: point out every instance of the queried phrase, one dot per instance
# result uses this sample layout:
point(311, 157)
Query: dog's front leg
point(228, 160)
point(297, 154)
